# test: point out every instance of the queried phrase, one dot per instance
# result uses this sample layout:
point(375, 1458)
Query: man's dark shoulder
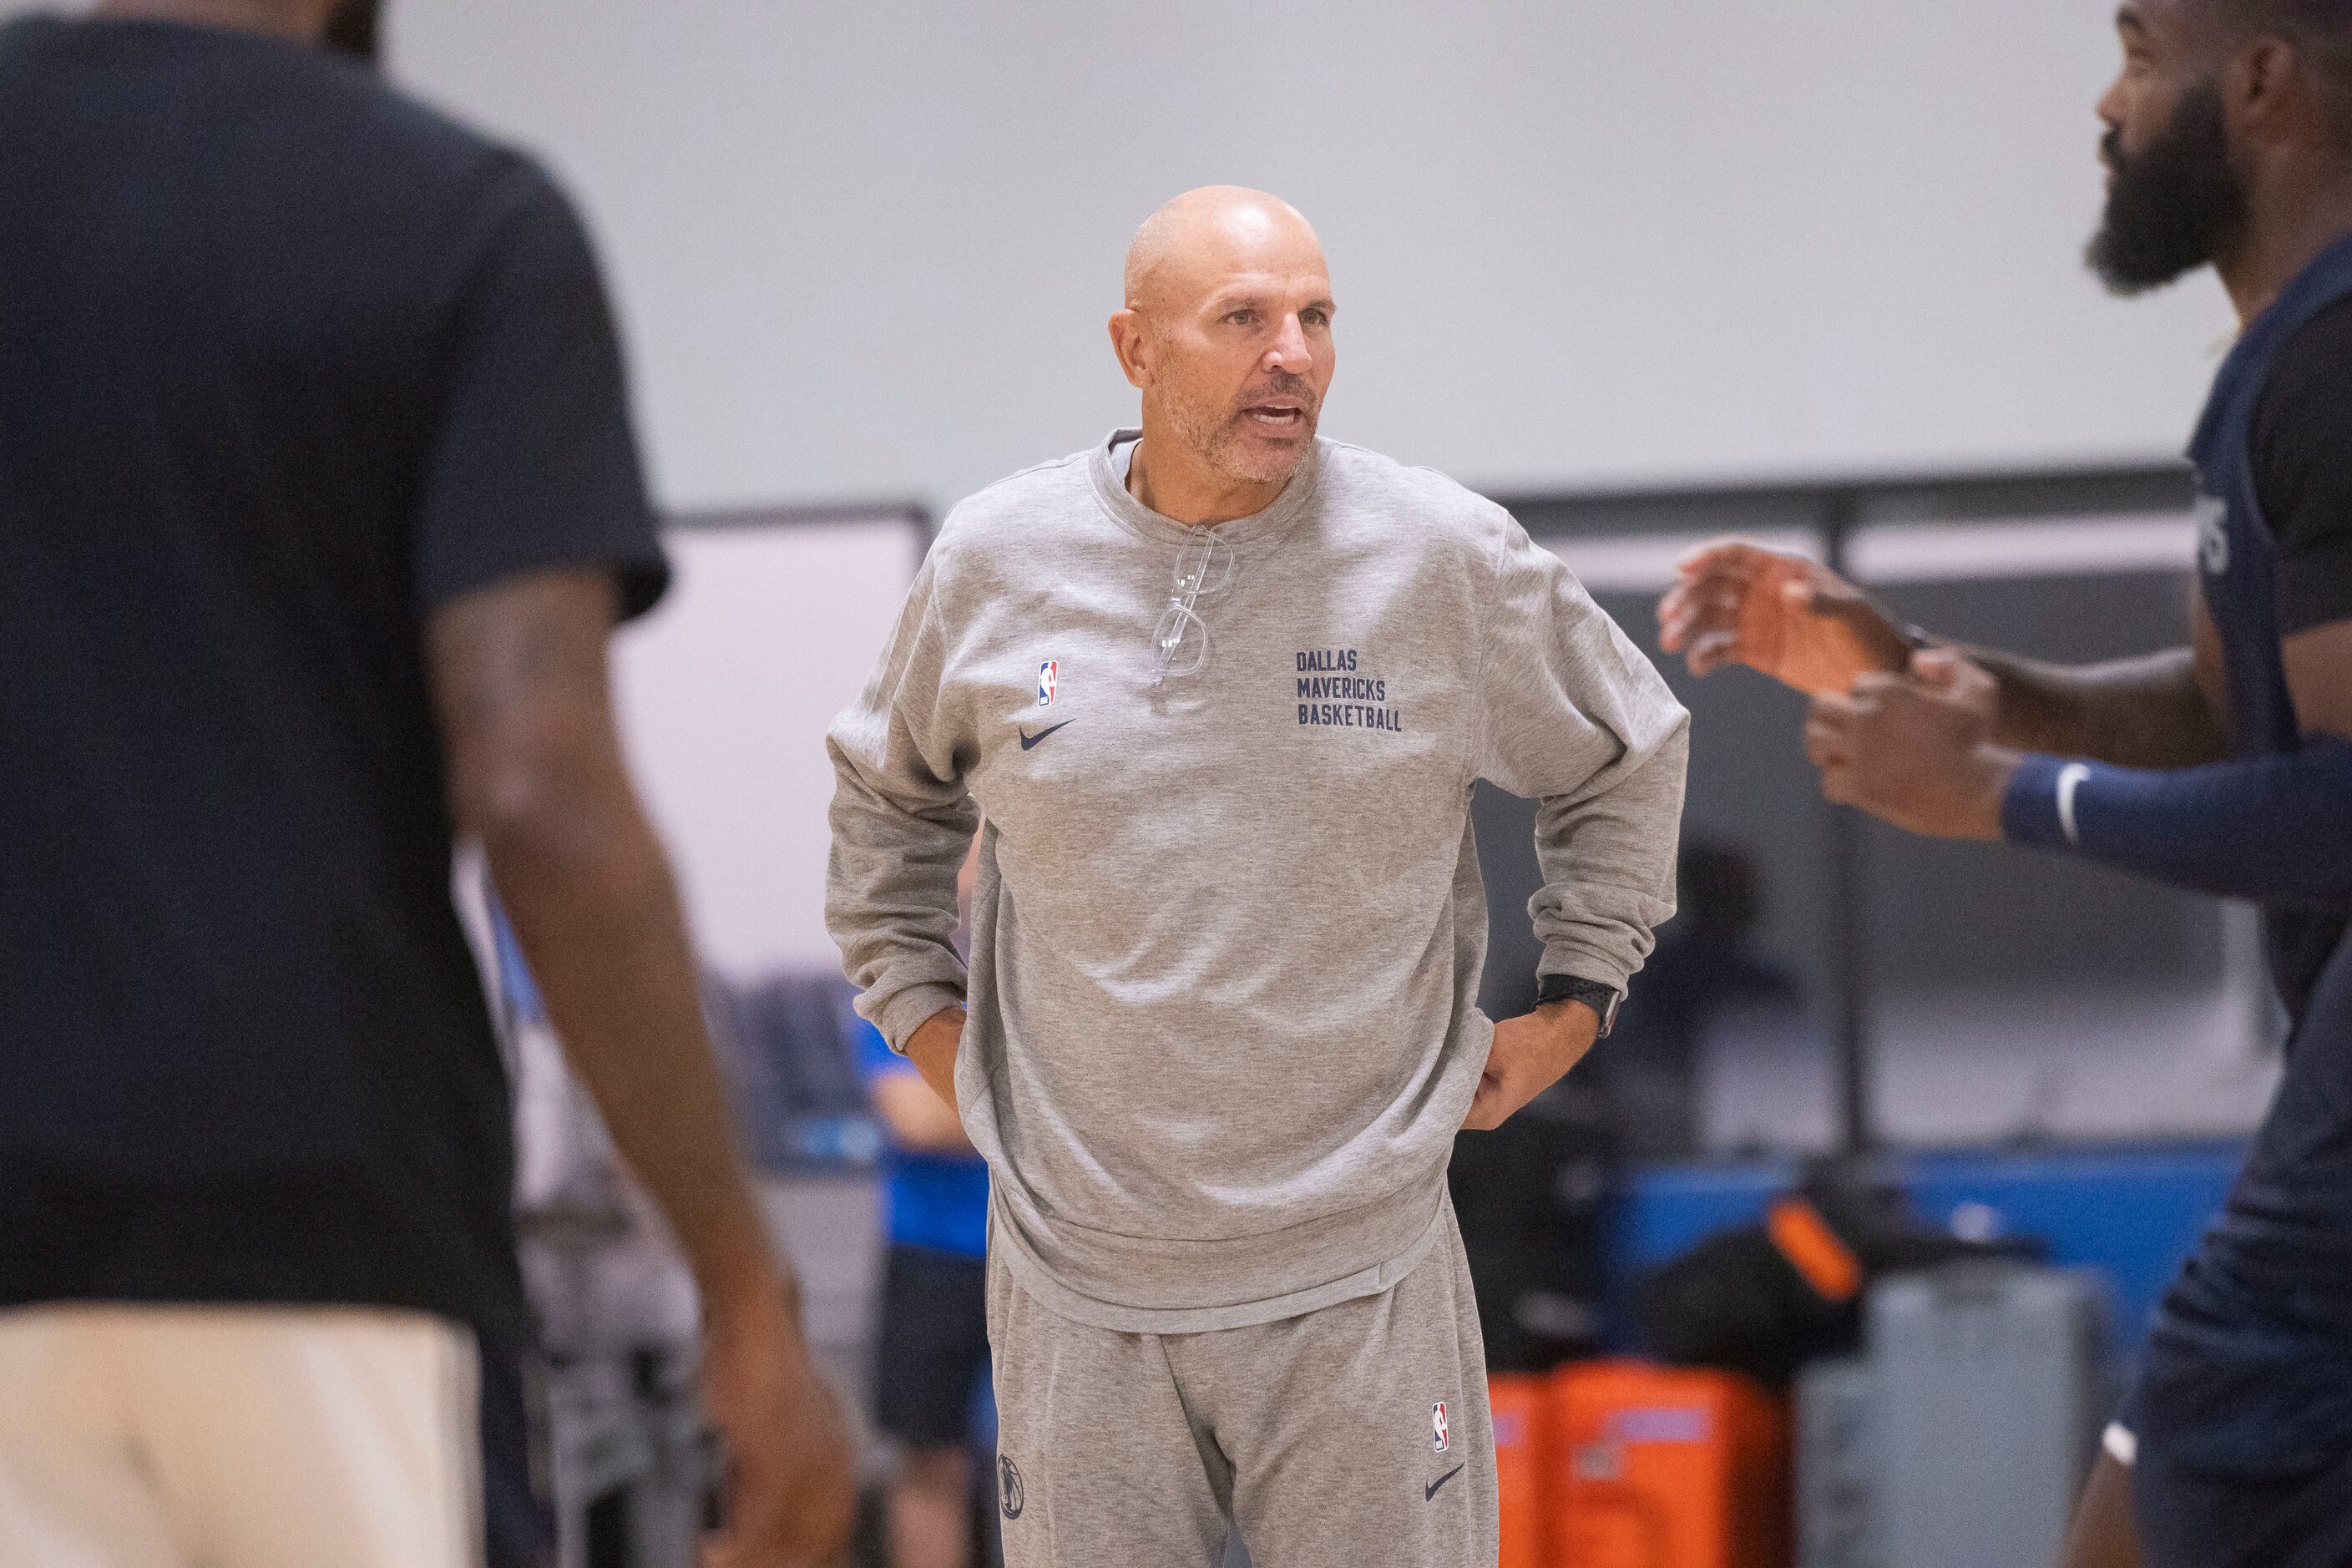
point(399, 125)
point(411, 144)
point(2315, 364)
point(272, 112)
point(2301, 450)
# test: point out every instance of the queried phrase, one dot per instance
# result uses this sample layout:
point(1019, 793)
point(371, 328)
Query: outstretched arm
point(2167, 709)
point(535, 770)
point(1735, 602)
point(1920, 753)
point(2278, 829)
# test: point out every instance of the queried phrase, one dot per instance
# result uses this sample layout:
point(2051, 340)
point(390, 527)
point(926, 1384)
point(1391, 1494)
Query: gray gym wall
point(869, 248)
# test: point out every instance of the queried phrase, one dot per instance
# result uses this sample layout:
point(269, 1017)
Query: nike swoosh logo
point(1431, 1490)
point(1028, 739)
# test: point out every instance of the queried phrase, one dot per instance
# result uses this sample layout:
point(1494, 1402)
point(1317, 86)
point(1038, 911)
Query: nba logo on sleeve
point(1438, 1432)
point(1049, 676)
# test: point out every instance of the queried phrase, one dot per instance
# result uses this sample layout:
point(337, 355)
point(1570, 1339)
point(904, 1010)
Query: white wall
point(725, 693)
point(866, 247)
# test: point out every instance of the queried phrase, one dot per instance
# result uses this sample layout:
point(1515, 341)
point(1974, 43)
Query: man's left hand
point(1915, 749)
point(1531, 1053)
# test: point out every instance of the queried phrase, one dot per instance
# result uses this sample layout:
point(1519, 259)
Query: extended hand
point(791, 1485)
point(1531, 1053)
point(1915, 751)
point(1799, 623)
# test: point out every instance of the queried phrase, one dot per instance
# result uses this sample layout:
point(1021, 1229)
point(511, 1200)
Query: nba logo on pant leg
point(1049, 676)
point(1438, 1433)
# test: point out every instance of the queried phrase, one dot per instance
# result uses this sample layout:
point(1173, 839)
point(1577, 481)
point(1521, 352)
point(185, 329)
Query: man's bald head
point(1212, 228)
point(1227, 331)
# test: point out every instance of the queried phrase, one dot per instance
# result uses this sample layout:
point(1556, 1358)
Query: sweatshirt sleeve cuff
point(906, 1011)
point(2032, 812)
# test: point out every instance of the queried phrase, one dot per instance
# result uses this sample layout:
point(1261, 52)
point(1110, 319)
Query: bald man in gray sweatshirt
point(1220, 690)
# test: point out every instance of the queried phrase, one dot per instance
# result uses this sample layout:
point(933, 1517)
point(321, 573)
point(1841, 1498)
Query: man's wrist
point(1999, 768)
point(764, 1292)
point(905, 1015)
point(1600, 998)
point(2031, 811)
point(948, 1021)
point(1887, 642)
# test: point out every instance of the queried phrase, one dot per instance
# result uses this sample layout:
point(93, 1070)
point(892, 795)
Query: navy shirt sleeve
point(2301, 450)
point(535, 466)
point(2270, 828)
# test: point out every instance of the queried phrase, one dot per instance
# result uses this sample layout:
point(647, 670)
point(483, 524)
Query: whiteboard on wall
point(725, 692)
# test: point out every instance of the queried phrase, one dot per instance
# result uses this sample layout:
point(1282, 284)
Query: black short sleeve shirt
point(2302, 454)
point(286, 362)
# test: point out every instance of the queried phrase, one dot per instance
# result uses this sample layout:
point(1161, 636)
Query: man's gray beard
point(1217, 440)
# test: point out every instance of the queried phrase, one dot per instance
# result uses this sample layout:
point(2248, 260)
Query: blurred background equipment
point(1987, 1382)
point(617, 1320)
point(1709, 979)
point(617, 1323)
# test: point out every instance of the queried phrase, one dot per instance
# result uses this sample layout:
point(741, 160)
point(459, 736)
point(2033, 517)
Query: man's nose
point(2110, 110)
point(1289, 350)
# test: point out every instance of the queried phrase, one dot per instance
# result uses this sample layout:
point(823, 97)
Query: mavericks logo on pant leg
point(1009, 1495)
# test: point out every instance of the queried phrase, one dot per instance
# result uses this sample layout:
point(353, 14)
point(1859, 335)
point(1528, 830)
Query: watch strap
point(1601, 999)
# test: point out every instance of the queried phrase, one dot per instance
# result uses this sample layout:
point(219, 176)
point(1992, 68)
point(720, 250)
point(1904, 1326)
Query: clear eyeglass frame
point(1180, 643)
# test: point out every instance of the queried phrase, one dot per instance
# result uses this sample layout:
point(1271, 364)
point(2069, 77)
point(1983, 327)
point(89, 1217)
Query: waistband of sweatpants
point(1150, 1284)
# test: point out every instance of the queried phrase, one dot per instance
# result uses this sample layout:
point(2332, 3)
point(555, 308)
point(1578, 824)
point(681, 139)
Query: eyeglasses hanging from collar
point(1180, 642)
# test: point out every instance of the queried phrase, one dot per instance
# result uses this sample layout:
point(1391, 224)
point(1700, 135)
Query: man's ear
point(2259, 87)
point(1130, 342)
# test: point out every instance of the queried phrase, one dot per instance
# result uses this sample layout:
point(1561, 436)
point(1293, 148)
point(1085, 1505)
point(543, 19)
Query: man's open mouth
point(1276, 415)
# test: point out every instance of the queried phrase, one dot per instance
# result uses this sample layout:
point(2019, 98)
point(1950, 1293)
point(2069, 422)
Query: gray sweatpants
point(1320, 1437)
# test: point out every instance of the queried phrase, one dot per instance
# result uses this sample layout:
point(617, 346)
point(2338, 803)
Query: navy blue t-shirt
point(287, 362)
point(2249, 1369)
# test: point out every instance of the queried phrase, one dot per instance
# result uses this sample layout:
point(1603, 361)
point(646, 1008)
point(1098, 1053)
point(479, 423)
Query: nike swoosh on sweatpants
point(1431, 1490)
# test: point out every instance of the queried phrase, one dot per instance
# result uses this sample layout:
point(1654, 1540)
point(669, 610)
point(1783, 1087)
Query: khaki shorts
point(237, 1437)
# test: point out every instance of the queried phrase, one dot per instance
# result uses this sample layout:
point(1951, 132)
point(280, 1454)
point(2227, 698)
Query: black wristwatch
point(1601, 999)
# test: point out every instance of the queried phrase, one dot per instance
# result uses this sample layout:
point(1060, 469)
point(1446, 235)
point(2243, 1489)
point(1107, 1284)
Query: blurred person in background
point(930, 1347)
point(2224, 766)
point(1222, 689)
point(318, 505)
point(1706, 969)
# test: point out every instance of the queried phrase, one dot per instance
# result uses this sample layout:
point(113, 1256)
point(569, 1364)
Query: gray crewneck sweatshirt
point(1227, 930)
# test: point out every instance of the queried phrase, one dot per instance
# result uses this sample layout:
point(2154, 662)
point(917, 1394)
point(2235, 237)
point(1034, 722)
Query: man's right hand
point(791, 1484)
point(1796, 621)
point(932, 1048)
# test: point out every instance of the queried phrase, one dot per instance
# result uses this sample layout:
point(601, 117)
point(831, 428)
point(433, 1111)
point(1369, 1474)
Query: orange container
point(1660, 1467)
point(1524, 1468)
